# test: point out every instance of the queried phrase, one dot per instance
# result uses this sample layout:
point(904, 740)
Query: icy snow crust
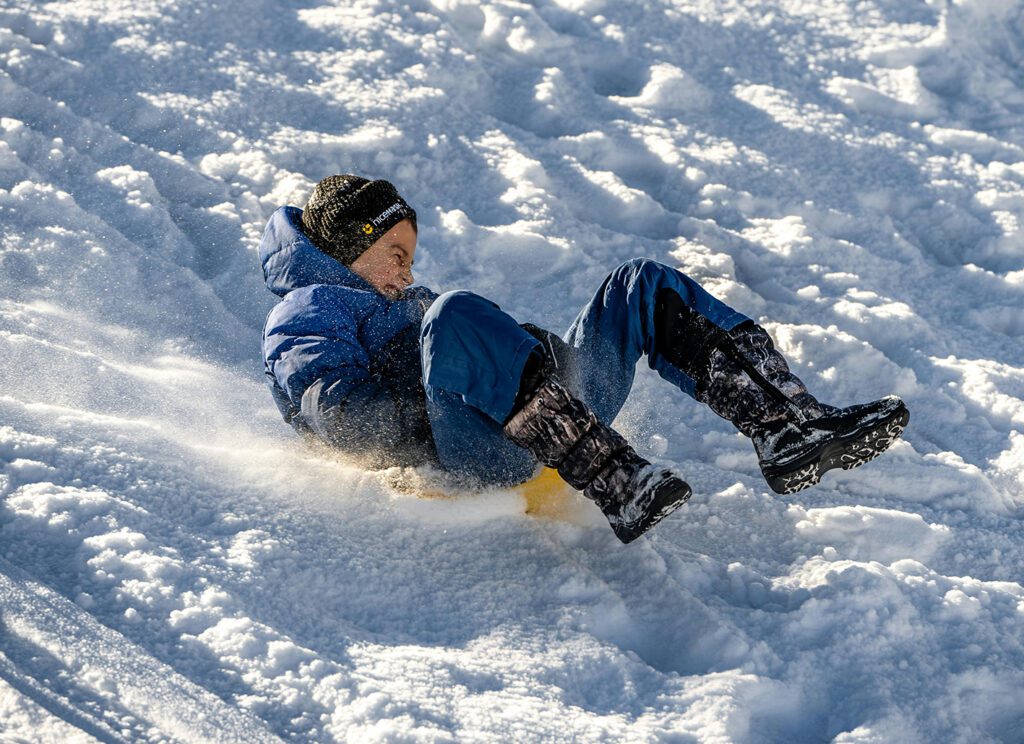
point(174, 566)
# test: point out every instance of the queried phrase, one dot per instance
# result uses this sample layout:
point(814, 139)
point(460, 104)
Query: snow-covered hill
point(175, 566)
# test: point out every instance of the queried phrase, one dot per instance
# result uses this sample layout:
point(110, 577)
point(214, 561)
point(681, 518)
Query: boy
point(357, 357)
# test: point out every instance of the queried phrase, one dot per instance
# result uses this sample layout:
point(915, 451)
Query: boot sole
point(847, 454)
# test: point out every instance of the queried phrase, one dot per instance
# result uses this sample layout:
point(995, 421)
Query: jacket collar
point(290, 260)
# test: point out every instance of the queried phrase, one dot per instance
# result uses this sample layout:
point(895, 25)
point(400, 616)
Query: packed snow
point(175, 565)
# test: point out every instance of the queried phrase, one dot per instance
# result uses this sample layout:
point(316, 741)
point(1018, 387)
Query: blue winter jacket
point(342, 360)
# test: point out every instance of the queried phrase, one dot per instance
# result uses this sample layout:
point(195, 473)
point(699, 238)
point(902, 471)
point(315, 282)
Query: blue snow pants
point(473, 356)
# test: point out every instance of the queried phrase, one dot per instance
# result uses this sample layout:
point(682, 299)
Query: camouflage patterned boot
point(797, 438)
point(563, 433)
point(742, 377)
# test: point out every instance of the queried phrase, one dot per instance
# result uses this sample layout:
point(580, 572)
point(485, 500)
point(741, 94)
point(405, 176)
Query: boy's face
point(387, 264)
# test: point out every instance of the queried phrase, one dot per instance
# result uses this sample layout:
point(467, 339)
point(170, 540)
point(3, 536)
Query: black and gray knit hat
point(347, 214)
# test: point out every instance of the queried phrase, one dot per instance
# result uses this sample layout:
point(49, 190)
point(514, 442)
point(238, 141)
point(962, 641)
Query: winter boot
point(742, 377)
point(563, 433)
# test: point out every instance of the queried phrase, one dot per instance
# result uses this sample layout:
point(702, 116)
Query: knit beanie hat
point(347, 214)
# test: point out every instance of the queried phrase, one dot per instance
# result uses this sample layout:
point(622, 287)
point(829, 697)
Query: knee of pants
point(642, 277)
point(451, 309)
point(451, 317)
point(640, 268)
point(454, 305)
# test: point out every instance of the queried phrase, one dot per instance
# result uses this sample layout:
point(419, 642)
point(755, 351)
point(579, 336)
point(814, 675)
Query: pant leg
point(617, 327)
point(473, 356)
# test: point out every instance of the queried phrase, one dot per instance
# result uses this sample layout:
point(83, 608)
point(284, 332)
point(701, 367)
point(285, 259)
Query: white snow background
point(175, 566)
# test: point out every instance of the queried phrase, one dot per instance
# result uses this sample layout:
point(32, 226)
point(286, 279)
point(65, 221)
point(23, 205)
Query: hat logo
point(368, 228)
point(396, 207)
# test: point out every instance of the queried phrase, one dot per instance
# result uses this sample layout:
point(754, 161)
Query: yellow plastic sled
point(546, 495)
point(549, 496)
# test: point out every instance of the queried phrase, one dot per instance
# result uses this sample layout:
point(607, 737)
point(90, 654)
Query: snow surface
point(175, 566)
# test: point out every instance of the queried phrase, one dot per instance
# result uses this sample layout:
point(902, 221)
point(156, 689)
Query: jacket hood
point(290, 260)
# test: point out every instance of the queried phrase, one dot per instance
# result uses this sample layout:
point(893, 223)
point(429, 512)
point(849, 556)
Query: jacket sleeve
point(361, 416)
point(326, 374)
